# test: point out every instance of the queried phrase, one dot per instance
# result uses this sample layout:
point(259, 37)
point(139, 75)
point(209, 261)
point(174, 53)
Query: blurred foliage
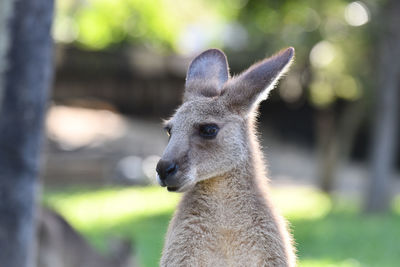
point(333, 39)
point(100, 24)
point(327, 233)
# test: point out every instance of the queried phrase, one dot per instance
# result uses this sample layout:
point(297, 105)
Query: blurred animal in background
point(60, 245)
point(225, 217)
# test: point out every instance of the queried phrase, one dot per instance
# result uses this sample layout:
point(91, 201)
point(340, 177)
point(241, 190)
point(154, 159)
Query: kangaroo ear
point(244, 92)
point(206, 75)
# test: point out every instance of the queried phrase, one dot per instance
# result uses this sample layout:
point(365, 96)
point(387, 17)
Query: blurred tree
point(386, 110)
point(331, 70)
point(25, 75)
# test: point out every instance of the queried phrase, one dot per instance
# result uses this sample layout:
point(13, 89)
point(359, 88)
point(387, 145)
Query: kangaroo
point(59, 245)
point(225, 217)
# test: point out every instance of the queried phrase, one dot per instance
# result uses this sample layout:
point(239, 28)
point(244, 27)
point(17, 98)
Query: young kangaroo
point(60, 245)
point(224, 217)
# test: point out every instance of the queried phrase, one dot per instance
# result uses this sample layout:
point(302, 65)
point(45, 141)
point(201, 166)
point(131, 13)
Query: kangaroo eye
point(208, 131)
point(168, 131)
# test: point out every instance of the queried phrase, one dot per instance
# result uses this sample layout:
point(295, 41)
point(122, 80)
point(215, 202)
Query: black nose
point(166, 168)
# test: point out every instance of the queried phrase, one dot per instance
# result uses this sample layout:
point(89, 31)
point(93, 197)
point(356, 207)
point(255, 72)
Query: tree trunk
point(24, 82)
point(327, 149)
point(385, 126)
point(336, 139)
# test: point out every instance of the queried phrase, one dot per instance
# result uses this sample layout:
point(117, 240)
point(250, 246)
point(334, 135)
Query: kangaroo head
point(208, 133)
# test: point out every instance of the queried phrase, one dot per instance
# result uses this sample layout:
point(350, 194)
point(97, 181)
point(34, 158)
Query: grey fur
point(225, 217)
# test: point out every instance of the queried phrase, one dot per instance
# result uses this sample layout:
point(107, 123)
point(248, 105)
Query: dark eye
point(168, 131)
point(208, 131)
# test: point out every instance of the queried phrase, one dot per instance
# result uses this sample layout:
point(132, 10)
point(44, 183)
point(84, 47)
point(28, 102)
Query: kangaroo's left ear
point(244, 92)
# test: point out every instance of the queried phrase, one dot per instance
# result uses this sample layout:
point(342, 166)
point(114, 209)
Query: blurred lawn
point(326, 234)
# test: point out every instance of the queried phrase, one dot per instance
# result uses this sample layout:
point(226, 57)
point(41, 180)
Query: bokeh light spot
point(348, 88)
point(149, 167)
point(356, 14)
point(290, 89)
point(321, 93)
point(73, 127)
point(322, 54)
point(131, 167)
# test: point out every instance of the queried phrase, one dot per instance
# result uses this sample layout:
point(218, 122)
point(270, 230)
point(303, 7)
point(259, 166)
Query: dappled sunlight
point(110, 206)
point(87, 208)
point(301, 202)
point(326, 233)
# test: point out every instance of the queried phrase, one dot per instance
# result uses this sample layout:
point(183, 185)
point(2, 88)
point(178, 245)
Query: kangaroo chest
point(228, 226)
point(234, 231)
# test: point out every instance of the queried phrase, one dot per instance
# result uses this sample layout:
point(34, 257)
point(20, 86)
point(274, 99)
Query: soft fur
point(225, 217)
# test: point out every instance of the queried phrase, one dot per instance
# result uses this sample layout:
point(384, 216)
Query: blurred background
point(329, 130)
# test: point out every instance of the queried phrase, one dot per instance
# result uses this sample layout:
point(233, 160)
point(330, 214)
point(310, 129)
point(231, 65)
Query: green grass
point(326, 234)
